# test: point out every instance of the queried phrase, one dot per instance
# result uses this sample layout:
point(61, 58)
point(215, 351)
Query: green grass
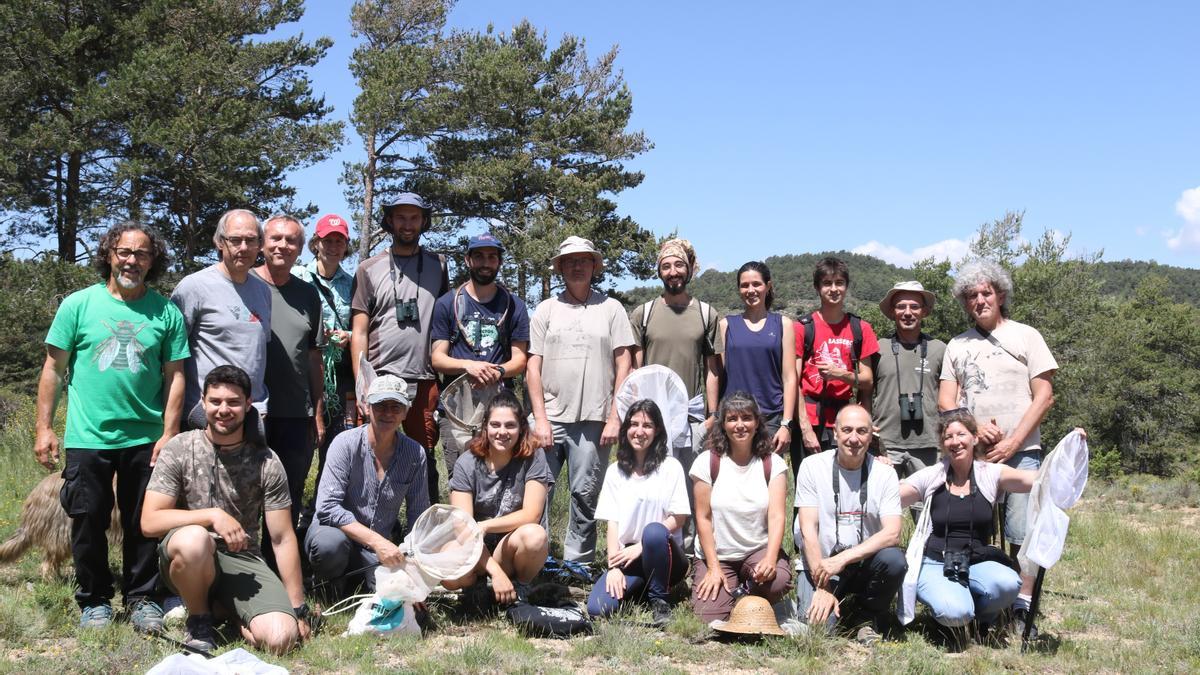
point(1122, 599)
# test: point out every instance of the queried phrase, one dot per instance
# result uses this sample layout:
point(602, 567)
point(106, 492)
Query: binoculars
point(911, 409)
point(406, 310)
point(956, 566)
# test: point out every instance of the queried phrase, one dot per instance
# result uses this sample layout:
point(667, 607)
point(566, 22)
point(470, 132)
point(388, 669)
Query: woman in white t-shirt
point(502, 482)
point(740, 488)
point(644, 499)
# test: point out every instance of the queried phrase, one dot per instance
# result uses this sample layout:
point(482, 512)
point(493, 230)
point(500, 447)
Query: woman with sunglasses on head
point(962, 578)
point(502, 482)
point(758, 353)
point(644, 499)
point(740, 490)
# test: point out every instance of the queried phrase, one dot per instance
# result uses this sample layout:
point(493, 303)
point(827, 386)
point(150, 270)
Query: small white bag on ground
point(233, 662)
point(445, 543)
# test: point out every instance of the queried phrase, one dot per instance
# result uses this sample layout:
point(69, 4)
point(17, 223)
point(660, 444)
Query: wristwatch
point(302, 612)
point(500, 368)
point(786, 423)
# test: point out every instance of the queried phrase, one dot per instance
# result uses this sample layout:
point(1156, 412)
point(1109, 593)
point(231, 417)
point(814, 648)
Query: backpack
point(549, 613)
point(714, 467)
point(706, 318)
point(810, 337)
point(503, 327)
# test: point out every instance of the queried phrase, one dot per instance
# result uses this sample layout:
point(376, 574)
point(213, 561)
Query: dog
point(45, 525)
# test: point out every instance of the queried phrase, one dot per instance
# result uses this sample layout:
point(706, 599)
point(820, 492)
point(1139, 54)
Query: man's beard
point(405, 239)
point(219, 427)
point(482, 277)
point(127, 283)
point(674, 286)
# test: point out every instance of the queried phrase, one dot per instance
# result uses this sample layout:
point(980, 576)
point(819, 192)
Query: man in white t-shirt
point(1002, 372)
point(848, 534)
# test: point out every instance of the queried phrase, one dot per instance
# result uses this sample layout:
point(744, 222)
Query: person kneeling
point(848, 529)
point(644, 499)
point(502, 483)
point(740, 490)
point(369, 472)
point(962, 579)
point(206, 497)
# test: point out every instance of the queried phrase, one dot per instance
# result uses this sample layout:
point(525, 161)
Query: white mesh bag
point(465, 404)
point(661, 385)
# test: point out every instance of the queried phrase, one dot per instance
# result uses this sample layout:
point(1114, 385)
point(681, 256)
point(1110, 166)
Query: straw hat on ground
point(751, 615)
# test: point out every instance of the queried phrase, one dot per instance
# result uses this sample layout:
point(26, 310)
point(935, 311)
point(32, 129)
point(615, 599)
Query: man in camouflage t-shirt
point(208, 492)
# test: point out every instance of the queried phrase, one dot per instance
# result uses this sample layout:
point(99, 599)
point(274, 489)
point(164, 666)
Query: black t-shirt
point(965, 521)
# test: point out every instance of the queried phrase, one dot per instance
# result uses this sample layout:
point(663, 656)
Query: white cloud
point(1188, 236)
point(947, 249)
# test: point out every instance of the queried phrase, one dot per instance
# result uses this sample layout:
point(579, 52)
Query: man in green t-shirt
point(124, 345)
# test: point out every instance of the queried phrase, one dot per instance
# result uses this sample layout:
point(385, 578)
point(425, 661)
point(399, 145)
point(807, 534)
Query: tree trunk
point(369, 170)
point(69, 230)
point(545, 285)
point(523, 283)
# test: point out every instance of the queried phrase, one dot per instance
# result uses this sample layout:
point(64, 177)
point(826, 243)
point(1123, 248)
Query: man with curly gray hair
point(1002, 372)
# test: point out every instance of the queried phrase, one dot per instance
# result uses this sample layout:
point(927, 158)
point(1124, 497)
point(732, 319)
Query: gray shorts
point(1017, 505)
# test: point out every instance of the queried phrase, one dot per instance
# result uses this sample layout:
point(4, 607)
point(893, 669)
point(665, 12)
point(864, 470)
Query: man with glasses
point(124, 346)
point(227, 309)
point(906, 370)
point(391, 313)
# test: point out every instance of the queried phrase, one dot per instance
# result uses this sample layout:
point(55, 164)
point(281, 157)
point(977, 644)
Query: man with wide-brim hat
point(391, 313)
point(907, 369)
point(579, 344)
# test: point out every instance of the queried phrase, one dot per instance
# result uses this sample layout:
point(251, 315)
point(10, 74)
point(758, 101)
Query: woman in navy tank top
point(759, 353)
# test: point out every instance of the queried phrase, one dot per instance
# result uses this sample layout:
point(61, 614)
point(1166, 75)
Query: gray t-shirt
point(576, 343)
point(503, 492)
point(295, 329)
point(678, 339)
point(913, 375)
point(243, 482)
point(227, 324)
point(399, 348)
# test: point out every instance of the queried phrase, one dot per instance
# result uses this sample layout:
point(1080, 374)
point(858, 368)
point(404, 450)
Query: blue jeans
point(1017, 505)
point(661, 565)
point(577, 444)
point(993, 587)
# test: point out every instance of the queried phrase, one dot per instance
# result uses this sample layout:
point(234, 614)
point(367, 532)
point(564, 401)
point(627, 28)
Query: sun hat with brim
point(752, 615)
point(406, 199)
point(885, 305)
point(575, 244)
point(389, 388)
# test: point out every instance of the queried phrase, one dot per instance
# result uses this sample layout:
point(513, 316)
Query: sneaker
point(522, 590)
point(1020, 619)
point(175, 611)
point(146, 616)
point(201, 634)
point(660, 612)
point(794, 627)
point(96, 616)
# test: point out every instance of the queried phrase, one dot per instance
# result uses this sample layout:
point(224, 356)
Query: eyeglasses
point(238, 242)
point(140, 254)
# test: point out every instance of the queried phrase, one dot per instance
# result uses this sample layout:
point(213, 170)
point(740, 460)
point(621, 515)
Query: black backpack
point(550, 613)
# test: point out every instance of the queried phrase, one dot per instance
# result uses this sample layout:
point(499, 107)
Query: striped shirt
point(350, 491)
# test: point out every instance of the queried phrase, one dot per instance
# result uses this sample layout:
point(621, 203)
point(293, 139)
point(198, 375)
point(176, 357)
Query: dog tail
point(16, 545)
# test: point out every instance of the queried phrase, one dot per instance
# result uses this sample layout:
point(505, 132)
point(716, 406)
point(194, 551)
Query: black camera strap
point(862, 500)
point(392, 271)
point(970, 509)
point(924, 342)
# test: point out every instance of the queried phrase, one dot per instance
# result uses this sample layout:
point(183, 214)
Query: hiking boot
point(96, 616)
point(1020, 619)
point(522, 590)
point(146, 616)
point(660, 612)
point(868, 635)
point(201, 634)
point(477, 599)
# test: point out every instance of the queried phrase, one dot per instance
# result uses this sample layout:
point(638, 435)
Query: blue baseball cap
point(406, 199)
point(485, 240)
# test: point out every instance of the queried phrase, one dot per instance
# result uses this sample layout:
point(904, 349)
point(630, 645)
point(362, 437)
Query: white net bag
point(661, 385)
point(445, 543)
point(465, 404)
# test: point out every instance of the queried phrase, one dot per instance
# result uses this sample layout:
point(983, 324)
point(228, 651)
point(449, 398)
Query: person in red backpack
point(833, 357)
point(740, 490)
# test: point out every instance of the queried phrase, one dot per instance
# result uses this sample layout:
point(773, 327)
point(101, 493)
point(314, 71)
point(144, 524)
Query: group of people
point(199, 415)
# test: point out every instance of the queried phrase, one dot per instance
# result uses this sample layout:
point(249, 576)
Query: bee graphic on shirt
point(121, 350)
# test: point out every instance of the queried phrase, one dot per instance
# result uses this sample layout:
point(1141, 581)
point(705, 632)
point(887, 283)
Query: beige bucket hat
point(751, 615)
point(885, 305)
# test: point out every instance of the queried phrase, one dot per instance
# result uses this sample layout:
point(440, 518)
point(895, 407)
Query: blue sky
point(882, 127)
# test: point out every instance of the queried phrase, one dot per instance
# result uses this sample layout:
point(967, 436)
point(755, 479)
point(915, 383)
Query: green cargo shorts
point(244, 585)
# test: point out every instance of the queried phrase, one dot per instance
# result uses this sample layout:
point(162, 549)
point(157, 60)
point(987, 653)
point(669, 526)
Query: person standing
point(294, 369)
point(124, 345)
point(480, 329)
point(227, 309)
point(906, 371)
point(391, 312)
point(1002, 372)
point(330, 245)
point(579, 343)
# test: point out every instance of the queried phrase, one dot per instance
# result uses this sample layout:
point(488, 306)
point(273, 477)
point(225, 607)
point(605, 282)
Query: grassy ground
point(1123, 599)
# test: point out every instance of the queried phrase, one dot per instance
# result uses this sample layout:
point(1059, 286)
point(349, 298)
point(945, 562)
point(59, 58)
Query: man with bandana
point(480, 329)
point(680, 332)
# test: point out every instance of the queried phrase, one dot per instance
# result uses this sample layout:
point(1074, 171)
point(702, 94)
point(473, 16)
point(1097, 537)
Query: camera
point(406, 310)
point(911, 409)
point(956, 566)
